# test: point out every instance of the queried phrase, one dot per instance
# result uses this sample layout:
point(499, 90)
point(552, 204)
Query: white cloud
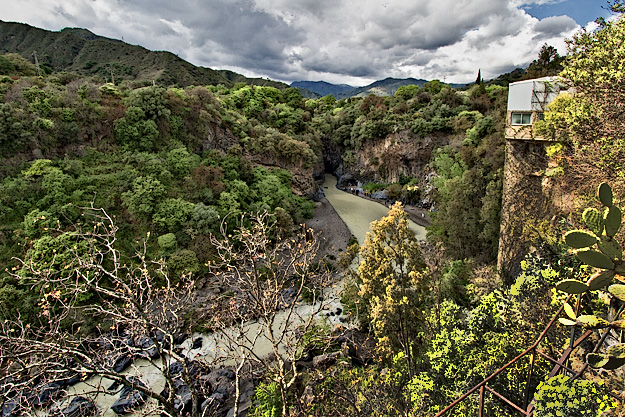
point(352, 41)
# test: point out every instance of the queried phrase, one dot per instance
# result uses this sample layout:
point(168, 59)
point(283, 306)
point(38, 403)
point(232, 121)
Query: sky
point(353, 42)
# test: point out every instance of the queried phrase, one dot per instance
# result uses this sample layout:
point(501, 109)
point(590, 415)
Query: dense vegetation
point(139, 155)
point(172, 163)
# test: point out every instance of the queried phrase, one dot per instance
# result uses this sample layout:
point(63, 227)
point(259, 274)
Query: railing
point(527, 408)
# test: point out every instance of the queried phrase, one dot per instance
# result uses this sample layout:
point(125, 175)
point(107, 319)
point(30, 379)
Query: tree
point(591, 119)
point(549, 62)
point(98, 309)
point(145, 195)
point(269, 280)
point(392, 289)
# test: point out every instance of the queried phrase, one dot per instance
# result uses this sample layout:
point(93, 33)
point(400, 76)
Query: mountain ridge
point(81, 51)
point(385, 87)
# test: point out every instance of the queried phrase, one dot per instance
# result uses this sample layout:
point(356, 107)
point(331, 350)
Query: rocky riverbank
point(332, 231)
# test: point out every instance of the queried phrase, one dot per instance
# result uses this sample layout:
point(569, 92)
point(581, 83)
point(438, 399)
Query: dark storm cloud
point(352, 41)
point(555, 25)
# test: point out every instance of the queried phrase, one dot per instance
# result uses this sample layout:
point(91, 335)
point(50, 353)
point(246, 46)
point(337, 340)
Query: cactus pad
point(617, 290)
point(593, 220)
point(618, 351)
point(614, 363)
point(592, 322)
point(595, 258)
point(580, 239)
point(572, 286)
point(597, 360)
point(569, 311)
point(600, 280)
point(611, 249)
point(612, 218)
point(605, 194)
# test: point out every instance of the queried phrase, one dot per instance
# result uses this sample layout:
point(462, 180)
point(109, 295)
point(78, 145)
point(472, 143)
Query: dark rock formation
point(129, 398)
point(78, 407)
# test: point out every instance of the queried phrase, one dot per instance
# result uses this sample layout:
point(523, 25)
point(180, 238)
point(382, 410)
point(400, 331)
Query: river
point(356, 212)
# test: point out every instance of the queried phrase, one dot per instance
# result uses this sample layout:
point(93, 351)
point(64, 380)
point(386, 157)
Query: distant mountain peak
point(385, 87)
point(322, 88)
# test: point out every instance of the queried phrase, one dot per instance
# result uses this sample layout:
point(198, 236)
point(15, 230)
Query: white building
point(527, 101)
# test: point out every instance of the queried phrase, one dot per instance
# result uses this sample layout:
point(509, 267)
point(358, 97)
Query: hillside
point(83, 52)
point(385, 87)
point(119, 202)
point(322, 88)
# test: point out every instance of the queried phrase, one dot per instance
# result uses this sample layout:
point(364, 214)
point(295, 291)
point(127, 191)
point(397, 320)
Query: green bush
point(268, 400)
point(167, 243)
point(561, 396)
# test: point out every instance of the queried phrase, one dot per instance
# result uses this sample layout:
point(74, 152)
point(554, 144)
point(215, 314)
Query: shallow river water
point(356, 212)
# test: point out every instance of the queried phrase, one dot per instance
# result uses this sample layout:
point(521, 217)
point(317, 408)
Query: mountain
point(81, 51)
point(386, 87)
point(322, 88)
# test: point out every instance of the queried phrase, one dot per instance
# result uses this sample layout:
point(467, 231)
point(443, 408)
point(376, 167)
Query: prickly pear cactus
point(612, 218)
point(598, 248)
point(593, 220)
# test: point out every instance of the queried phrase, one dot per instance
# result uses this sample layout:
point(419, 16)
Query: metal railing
point(560, 364)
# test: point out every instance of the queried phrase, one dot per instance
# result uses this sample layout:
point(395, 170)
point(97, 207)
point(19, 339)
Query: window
point(521, 119)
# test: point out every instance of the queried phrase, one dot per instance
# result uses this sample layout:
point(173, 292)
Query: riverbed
point(358, 212)
point(354, 217)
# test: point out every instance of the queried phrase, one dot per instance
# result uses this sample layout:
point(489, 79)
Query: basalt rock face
point(221, 139)
point(302, 182)
point(400, 153)
point(218, 138)
point(386, 159)
point(332, 161)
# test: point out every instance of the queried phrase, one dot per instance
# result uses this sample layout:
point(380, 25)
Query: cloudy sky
point(340, 41)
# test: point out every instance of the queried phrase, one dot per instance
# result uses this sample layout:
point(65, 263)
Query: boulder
point(10, 408)
point(182, 402)
point(47, 393)
point(182, 398)
point(212, 403)
point(118, 361)
point(178, 339)
point(221, 380)
point(129, 398)
point(325, 361)
point(149, 350)
point(175, 368)
point(78, 407)
point(198, 369)
point(122, 362)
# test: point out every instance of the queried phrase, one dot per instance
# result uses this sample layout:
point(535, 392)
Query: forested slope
point(434, 319)
point(79, 50)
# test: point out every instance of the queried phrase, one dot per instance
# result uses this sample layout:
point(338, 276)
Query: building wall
point(522, 132)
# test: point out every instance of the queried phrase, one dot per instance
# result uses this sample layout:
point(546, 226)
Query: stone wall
point(530, 196)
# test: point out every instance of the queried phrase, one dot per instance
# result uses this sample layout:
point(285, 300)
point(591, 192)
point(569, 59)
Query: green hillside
point(80, 51)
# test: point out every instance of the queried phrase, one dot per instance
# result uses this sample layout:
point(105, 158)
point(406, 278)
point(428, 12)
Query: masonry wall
point(527, 200)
